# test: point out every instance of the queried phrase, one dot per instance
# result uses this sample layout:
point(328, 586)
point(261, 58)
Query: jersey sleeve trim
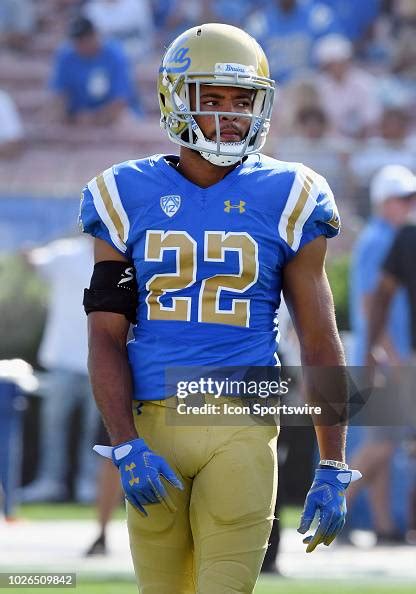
point(110, 208)
point(299, 206)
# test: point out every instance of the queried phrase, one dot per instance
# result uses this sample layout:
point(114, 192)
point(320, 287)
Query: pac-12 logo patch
point(170, 204)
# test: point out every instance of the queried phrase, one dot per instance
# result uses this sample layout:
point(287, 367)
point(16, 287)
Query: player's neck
point(200, 171)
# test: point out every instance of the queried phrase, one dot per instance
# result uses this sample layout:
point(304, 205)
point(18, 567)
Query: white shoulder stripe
point(300, 204)
point(110, 208)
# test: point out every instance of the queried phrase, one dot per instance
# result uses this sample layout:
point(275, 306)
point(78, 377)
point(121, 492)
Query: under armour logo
point(229, 206)
point(134, 479)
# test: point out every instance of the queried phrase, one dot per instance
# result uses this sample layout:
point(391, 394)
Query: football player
point(194, 250)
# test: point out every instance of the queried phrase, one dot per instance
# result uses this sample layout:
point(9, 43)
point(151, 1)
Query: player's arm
point(108, 363)
point(309, 298)
point(375, 307)
point(392, 276)
point(140, 468)
point(380, 305)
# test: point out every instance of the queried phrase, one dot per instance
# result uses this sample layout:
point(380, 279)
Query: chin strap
point(221, 160)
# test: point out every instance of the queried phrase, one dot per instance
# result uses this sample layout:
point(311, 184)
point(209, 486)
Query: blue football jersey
point(208, 261)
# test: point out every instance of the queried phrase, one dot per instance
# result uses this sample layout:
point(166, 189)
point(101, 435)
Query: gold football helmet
point(222, 55)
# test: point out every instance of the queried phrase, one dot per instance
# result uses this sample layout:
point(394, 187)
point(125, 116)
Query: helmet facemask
point(183, 129)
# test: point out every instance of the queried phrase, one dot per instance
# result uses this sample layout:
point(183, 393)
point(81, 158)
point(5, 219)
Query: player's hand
point(141, 470)
point(327, 497)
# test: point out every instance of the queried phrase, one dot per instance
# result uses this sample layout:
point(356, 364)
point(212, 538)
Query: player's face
point(233, 128)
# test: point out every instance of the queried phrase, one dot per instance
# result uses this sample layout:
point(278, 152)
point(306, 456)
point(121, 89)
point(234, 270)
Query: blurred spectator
point(367, 29)
point(390, 192)
point(91, 78)
point(404, 47)
point(287, 31)
point(312, 145)
point(66, 265)
point(355, 24)
point(392, 54)
point(175, 16)
point(172, 17)
point(128, 21)
point(235, 12)
point(17, 23)
point(294, 97)
point(392, 144)
point(399, 271)
point(348, 93)
point(11, 129)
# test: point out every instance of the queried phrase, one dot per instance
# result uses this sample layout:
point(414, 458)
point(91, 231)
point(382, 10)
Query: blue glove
point(140, 471)
point(326, 496)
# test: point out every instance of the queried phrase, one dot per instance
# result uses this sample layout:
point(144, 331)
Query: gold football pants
point(216, 540)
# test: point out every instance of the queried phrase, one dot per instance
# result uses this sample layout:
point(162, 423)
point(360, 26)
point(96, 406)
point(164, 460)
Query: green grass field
point(270, 586)
point(63, 511)
point(289, 516)
point(287, 587)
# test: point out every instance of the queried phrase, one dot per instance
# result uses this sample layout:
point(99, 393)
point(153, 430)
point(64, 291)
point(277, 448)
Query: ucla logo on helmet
point(170, 204)
point(178, 61)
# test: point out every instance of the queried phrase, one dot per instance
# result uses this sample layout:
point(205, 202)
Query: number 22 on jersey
point(216, 244)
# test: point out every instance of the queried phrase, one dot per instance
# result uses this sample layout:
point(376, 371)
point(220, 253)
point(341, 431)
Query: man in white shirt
point(348, 93)
point(66, 266)
point(129, 21)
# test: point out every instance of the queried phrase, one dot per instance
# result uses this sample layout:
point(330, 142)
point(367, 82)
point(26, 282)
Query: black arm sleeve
point(113, 288)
